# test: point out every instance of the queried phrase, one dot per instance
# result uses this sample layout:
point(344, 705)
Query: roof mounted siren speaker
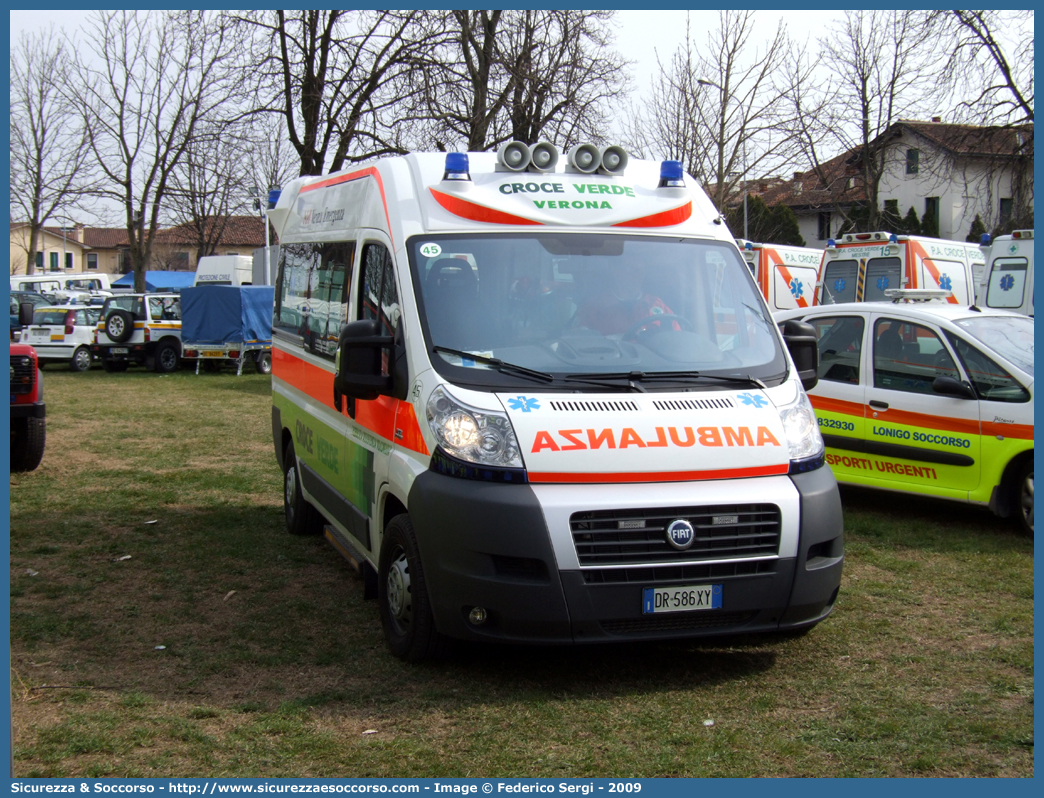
point(584, 158)
point(543, 157)
point(513, 157)
point(614, 160)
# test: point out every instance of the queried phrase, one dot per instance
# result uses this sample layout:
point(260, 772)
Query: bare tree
point(162, 76)
point(999, 86)
point(334, 78)
point(48, 146)
point(884, 66)
point(718, 109)
point(519, 75)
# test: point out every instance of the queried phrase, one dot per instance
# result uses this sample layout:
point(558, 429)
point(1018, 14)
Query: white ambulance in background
point(545, 404)
point(860, 267)
point(786, 275)
point(1007, 281)
point(225, 270)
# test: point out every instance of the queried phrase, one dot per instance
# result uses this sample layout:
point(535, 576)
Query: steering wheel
point(634, 329)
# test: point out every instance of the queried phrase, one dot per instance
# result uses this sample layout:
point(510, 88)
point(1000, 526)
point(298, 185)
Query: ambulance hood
point(648, 437)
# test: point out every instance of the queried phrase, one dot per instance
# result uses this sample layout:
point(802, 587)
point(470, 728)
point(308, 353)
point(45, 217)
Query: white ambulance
point(1007, 282)
point(545, 404)
point(860, 267)
point(786, 275)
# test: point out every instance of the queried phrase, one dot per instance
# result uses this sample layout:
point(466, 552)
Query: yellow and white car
point(928, 398)
point(63, 333)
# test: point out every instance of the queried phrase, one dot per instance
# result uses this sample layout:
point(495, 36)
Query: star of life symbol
point(1013, 248)
point(839, 285)
point(1007, 282)
point(882, 283)
point(796, 288)
point(524, 404)
point(752, 400)
point(945, 282)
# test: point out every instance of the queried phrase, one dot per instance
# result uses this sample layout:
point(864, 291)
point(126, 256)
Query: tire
point(301, 517)
point(28, 438)
point(1024, 497)
point(81, 359)
point(119, 326)
point(166, 358)
point(263, 363)
point(402, 595)
point(114, 366)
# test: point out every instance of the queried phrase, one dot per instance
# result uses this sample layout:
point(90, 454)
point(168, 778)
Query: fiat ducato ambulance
point(861, 267)
point(786, 275)
point(539, 403)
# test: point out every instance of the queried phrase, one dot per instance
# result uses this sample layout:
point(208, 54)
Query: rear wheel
point(301, 517)
point(402, 593)
point(81, 359)
point(28, 438)
point(166, 358)
point(263, 363)
point(119, 326)
point(1024, 497)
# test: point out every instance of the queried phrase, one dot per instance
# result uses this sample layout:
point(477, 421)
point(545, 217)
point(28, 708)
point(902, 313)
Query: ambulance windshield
point(582, 305)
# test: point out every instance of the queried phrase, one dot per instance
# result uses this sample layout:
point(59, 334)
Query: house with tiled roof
point(950, 172)
point(178, 247)
point(58, 250)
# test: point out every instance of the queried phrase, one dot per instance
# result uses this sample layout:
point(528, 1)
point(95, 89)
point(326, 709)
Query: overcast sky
point(640, 37)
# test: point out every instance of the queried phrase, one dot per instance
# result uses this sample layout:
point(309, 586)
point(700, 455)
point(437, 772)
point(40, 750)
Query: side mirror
point(362, 363)
point(801, 341)
point(948, 386)
point(25, 313)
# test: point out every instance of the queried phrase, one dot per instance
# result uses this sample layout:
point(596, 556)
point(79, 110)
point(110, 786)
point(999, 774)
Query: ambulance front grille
point(692, 404)
point(594, 407)
point(639, 537)
point(665, 574)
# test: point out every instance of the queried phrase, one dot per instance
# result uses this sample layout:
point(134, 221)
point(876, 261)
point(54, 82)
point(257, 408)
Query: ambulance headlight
point(482, 437)
point(803, 436)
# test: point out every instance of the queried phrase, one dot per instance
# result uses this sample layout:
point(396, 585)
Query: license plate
point(119, 350)
point(681, 599)
point(212, 354)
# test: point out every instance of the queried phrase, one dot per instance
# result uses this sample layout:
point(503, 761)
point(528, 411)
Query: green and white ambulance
point(545, 403)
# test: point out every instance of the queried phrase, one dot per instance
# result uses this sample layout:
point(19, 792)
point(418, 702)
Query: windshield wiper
point(637, 377)
point(498, 364)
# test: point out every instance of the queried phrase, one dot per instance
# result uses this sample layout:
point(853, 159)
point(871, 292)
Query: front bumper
point(488, 545)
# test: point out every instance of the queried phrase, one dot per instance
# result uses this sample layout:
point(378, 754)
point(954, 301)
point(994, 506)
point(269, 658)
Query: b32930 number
point(831, 423)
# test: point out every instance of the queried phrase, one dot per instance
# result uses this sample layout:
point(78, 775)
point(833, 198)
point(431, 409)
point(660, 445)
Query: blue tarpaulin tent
point(157, 281)
point(221, 314)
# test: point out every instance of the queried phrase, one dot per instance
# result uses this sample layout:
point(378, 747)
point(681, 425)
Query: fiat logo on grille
point(680, 534)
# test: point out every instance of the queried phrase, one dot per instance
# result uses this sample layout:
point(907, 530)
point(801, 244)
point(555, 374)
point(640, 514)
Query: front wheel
point(301, 517)
point(81, 359)
point(28, 438)
point(402, 594)
point(1025, 497)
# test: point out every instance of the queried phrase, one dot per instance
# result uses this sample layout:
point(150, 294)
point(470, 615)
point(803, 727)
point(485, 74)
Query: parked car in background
point(928, 398)
point(139, 328)
point(17, 298)
point(63, 334)
point(28, 412)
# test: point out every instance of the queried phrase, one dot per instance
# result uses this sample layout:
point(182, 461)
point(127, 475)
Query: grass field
point(156, 520)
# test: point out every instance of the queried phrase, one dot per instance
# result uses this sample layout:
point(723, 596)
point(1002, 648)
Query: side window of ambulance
point(991, 381)
point(840, 347)
point(311, 293)
point(378, 296)
point(908, 357)
point(881, 274)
